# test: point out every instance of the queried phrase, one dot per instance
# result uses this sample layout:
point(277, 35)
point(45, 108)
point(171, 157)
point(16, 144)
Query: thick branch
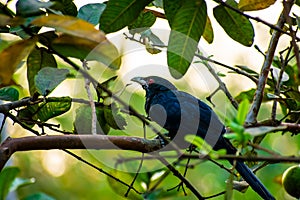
point(12, 145)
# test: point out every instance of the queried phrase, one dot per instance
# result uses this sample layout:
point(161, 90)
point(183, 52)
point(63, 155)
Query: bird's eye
point(150, 81)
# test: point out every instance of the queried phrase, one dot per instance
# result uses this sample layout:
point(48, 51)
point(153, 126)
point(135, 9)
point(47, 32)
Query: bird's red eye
point(150, 81)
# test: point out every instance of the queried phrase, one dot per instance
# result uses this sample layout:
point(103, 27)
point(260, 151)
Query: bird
point(181, 113)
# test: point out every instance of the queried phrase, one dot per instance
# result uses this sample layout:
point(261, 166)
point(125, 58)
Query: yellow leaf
point(5, 20)
point(83, 48)
point(151, 49)
point(208, 33)
point(72, 26)
point(11, 57)
point(251, 5)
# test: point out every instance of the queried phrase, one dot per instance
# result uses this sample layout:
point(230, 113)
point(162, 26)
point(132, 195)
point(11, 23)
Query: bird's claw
point(162, 140)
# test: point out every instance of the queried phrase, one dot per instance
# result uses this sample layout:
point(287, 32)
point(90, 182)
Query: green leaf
point(38, 196)
point(171, 7)
point(247, 69)
point(28, 114)
point(250, 5)
point(11, 58)
point(238, 27)
point(20, 182)
point(198, 142)
point(242, 111)
point(26, 8)
point(91, 12)
point(105, 127)
point(7, 176)
point(292, 72)
point(114, 118)
point(236, 127)
point(120, 13)
point(83, 121)
point(72, 26)
point(82, 48)
point(151, 49)
point(52, 109)
point(187, 27)
point(155, 40)
point(142, 23)
point(239, 134)
point(246, 95)
point(106, 84)
point(65, 7)
point(158, 3)
point(38, 59)
point(9, 94)
point(54, 106)
point(220, 74)
point(48, 79)
point(231, 136)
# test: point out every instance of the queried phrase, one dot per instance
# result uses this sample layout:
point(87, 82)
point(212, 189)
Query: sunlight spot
point(54, 162)
point(144, 185)
point(157, 175)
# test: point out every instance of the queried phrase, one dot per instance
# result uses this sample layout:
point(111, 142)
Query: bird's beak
point(140, 80)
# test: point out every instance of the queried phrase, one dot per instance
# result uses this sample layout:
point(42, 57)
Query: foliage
point(9, 181)
point(55, 37)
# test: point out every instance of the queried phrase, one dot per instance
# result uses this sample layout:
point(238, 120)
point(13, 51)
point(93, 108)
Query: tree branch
point(12, 145)
point(180, 176)
point(222, 85)
point(100, 170)
point(252, 115)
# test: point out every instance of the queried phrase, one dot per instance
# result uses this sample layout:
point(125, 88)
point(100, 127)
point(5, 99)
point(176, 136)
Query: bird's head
point(154, 83)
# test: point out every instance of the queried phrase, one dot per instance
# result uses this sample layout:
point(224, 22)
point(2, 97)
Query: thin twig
point(222, 85)
point(16, 120)
point(140, 165)
point(238, 71)
point(292, 32)
point(256, 146)
point(215, 195)
point(136, 175)
point(3, 123)
point(100, 170)
point(284, 63)
point(180, 176)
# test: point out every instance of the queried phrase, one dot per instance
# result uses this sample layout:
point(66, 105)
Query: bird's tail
point(253, 181)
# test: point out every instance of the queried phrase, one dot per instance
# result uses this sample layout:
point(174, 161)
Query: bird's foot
point(162, 140)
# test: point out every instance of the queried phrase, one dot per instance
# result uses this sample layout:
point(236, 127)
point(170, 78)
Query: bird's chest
point(164, 108)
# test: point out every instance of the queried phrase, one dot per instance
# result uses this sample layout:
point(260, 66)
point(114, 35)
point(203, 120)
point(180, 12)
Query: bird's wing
point(197, 118)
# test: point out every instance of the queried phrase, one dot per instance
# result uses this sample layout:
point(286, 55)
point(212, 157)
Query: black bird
point(181, 113)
